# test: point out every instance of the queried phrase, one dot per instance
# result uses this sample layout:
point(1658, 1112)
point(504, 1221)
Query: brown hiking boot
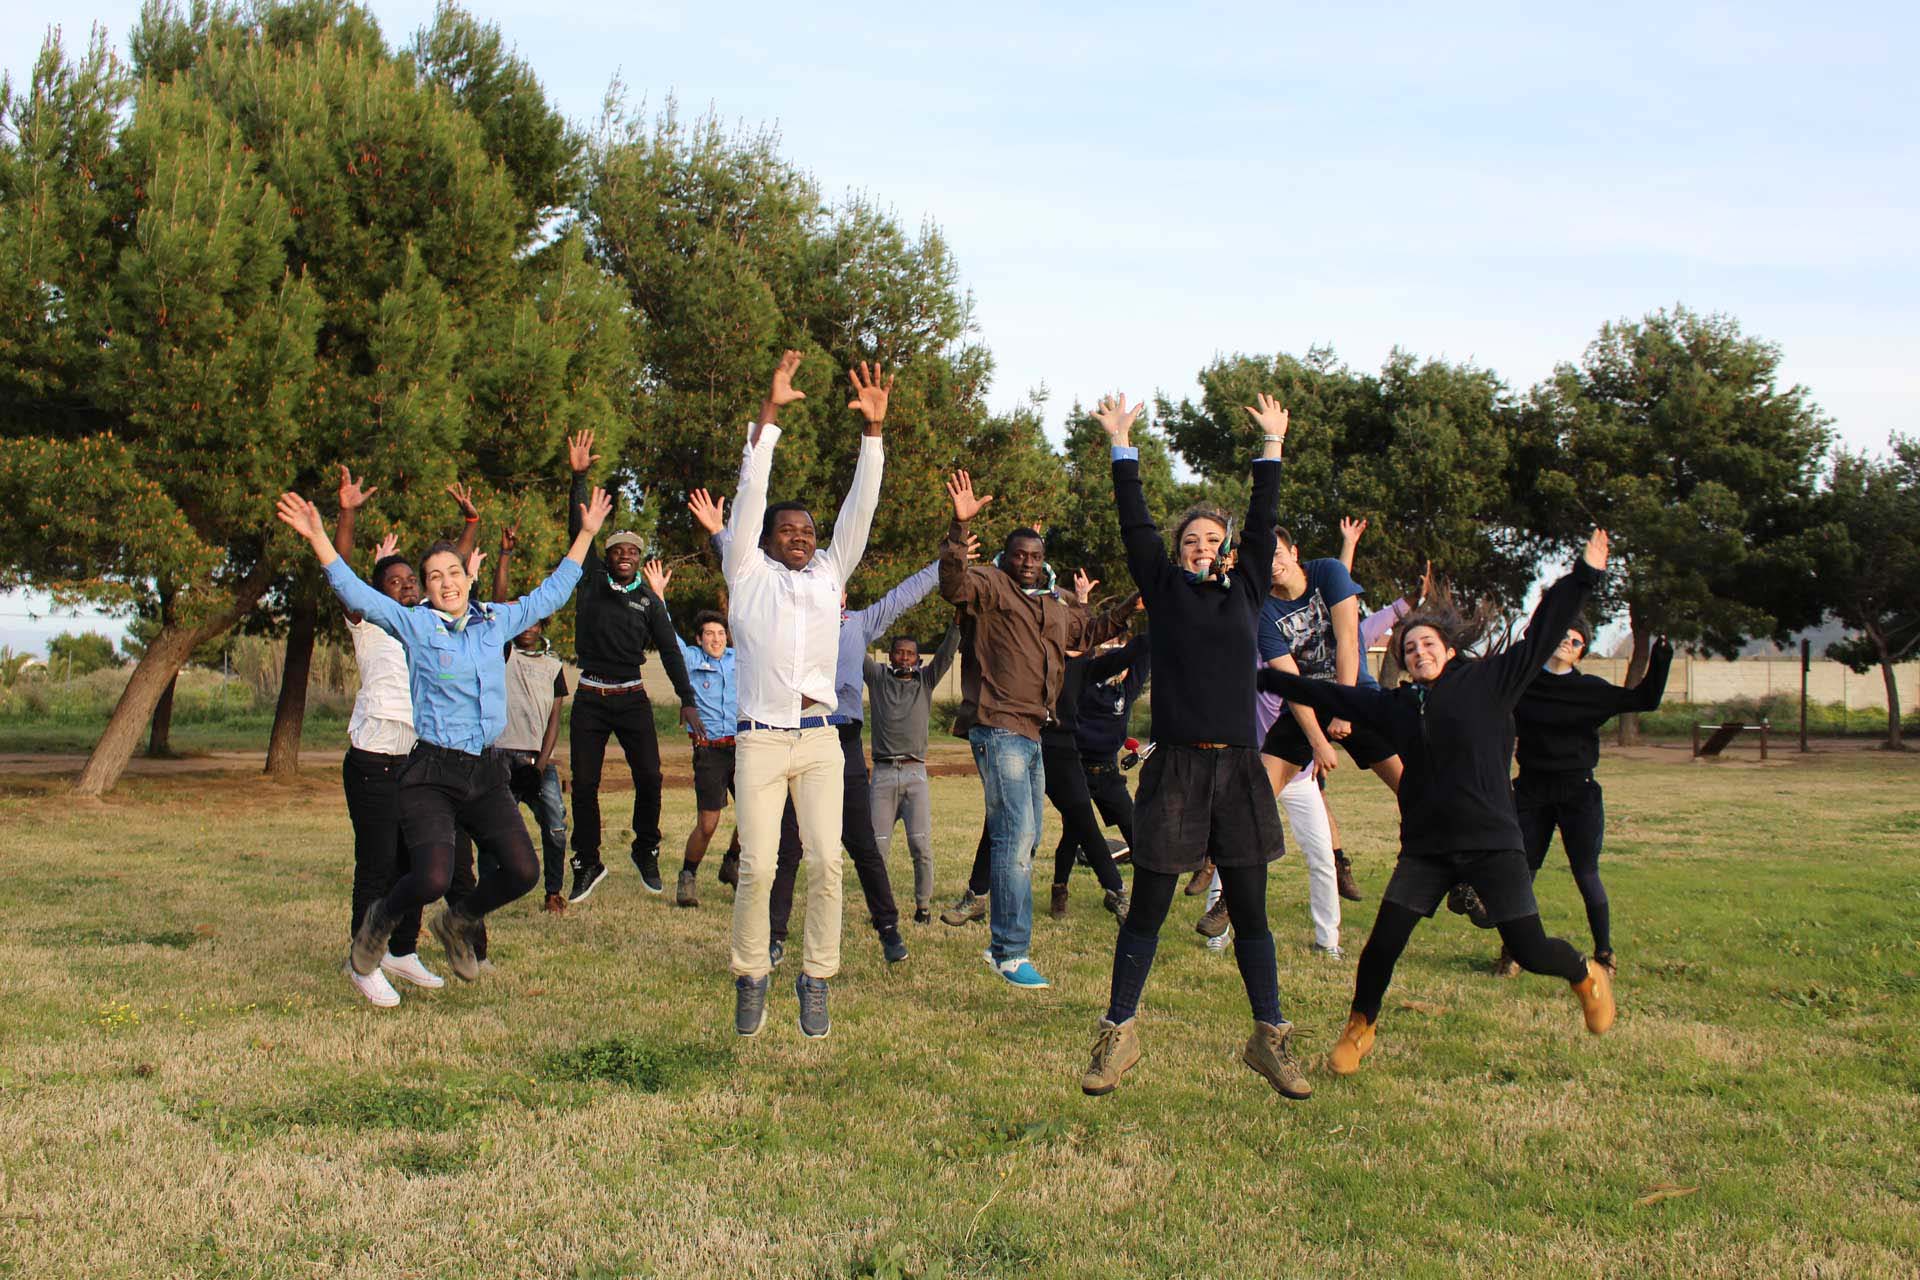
point(1355, 1043)
point(1505, 966)
point(556, 904)
point(1270, 1052)
point(1058, 907)
point(969, 906)
point(1116, 1048)
point(454, 930)
point(1596, 997)
point(1343, 877)
point(686, 890)
point(1197, 883)
point(1214, 923)
point(370, 940)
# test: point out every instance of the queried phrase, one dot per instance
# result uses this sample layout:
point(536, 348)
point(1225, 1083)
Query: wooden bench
point(1722, 734)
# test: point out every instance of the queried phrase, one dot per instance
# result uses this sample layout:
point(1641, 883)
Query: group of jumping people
point(1258, 665)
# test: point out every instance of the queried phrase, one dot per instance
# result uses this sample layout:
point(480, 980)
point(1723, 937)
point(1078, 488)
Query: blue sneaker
point(1020, 972)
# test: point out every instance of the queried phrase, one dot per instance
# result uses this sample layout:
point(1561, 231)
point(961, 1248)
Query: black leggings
point(1079, 828)
point(1244, 889)
point(1526, 941)
point(1577, 807)
point(439, 791)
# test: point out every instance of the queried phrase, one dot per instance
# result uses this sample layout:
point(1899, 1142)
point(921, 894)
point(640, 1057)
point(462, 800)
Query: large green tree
point(1870, 576)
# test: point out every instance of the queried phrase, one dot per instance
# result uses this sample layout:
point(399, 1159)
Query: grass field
point(189, 1088)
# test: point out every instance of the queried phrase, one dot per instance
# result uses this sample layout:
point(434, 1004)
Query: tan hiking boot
point(1197, 882)
point(686, 888)
point(1058, 906)
point(557, 904)
point(1215, 921)
point(1596, 998)
point(454, 930)
point(1116, 1048)
point(968, 907)
point(1270, 1052)
point(1505, 966)
point(1355, 1043)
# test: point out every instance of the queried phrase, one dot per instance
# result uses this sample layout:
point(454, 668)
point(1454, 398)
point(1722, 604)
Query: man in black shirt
point(616, 620)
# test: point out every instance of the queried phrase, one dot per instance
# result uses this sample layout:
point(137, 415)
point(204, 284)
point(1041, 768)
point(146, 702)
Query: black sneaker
point(814, 1023)
point(586, 878)
point(649, 863)
point(750, 1005)
point(922, 915)
point(892, 945)
point(776, 951)
point(730, 868)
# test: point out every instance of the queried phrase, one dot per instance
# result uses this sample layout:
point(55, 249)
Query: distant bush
point(1781, 710)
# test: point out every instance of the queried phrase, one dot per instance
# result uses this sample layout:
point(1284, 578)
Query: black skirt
point(1200, 803)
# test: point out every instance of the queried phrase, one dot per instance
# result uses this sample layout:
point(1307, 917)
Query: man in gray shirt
point(900, 694)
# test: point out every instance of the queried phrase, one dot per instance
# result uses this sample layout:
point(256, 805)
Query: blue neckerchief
point(457, 625)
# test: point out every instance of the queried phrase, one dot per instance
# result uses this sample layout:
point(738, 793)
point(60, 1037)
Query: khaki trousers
point(768, 765)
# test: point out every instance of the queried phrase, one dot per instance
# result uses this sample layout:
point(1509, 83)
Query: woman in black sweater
point(1453, 728)
point(1558, 721)
point(1203, 792)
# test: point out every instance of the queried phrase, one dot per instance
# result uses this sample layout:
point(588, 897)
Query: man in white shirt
point(784, 611)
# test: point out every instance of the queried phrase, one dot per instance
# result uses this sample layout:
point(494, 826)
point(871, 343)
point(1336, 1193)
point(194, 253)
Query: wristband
point(473, 519)
point(1274, 439)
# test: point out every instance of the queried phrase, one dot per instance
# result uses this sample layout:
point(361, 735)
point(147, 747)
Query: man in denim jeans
point(1012, 677)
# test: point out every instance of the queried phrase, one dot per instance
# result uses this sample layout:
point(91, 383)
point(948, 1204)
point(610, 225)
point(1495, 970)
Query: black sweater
point(1202, 633)
point(1559, 716)
point(1088, 668)
point(612, 630)
point(1105, 708)
point(1455, 734)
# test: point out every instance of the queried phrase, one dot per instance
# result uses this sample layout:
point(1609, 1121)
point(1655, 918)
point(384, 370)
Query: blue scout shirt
point(716, 694)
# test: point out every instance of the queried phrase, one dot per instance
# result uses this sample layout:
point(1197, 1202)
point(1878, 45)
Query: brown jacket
point(1018, 654)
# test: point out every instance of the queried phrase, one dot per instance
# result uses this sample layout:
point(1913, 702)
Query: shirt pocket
point(444, 658)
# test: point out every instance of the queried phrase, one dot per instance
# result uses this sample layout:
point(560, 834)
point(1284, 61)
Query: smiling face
point(1286, 561)
point(1200, 544)
point(446, 583)
point(713, 639)
point(1025, 560)
point(1571, 646)
point(1425, 653)
point(623, 562)
point(399, 584)
point(791, 540)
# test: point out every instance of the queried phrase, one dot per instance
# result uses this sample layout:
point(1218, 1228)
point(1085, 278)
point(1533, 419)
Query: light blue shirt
point(458, 677)
point(1125, 453)
point(716, 694)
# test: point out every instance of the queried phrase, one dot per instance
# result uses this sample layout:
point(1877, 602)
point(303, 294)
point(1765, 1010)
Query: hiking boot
point(1197, 882)
point(586, 878)
point(1596, 997)
point(1120, 851)
point(1214, 923)
point(1116, 901)
point(730, 868)
point(370, 940)
point(686, 890)
point(967, 907)
point(1605, 960)
point(1116, 1048)
point(556, 904)
point(892, 945)
point(454, 930)
point(648, 861)
point(776, 952)
point(750, 1005)
point(814, 1023)
point(410, 968)
point(1270, 1052)
point(1505, 966)
point(1058, 907)
point(1343, 877)
point(374, 986)
point(1355, 1043)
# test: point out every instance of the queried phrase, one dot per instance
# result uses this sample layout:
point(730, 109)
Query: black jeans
point(856, 837)
point(1079, 828)
point(442, 790)
point(1526, 941)
point(1574, 804)
point(372, 784)
point(531, 788)
point(629, 717)
point(1108, 787)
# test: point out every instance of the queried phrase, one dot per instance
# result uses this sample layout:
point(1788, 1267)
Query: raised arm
point(1263, 502)
point(580, 458)
point(1146, 554)
point(756, 467)
point(383, 611)
point(1350, 531)
point(672, 657)
point(1375, 626)
point(943, 656)
point(1559, 605)
point(547, 598)
point(509, 539)
point(1646, 695)
point(1085, 630)
point(871, 389)
point(352, 498)
point(470, 520)
point(1370, 707)
point(960, 584)
point(874, 620)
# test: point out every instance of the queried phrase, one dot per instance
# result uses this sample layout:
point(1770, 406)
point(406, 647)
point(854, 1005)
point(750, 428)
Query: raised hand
point(301, 516)
point(1273, 419)
point(1116, 419)
point(474, 561)
point(657, 576)
point(870, 392)
point(1596, 553)
point(1425, 589)
point(709, 512)
point(973, 547)
point(464, 497)
point(580, 454)
point(1083, 585)
point(510, 538)
point(782, 391)
point(1351, 530)
point(965, 505)
point(595, 510)
point(389, 545)
point(352, 496)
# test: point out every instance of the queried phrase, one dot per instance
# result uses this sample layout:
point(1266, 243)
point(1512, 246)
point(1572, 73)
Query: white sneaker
point(1329, 953)
point(410, 967)
point(1220, 943)
point(374, 986)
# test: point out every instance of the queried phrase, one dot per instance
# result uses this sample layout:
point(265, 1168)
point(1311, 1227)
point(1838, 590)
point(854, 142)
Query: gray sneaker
point(454, 930)
point(814, 1023)
point(749, 1005)
point(370, 940)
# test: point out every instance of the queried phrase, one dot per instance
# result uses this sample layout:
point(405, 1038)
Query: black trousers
point(442, 791)
point(525, 782)
point(628, 717)
point(1079, 828)
point(1524, 938)
point(372, 784)
point(1575, 805)
point(1108, 787)
point(856, 837)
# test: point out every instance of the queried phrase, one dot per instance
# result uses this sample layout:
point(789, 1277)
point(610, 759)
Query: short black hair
point(896, 641)
point(1024, 532)
point(705, 616)
point(773, 513)
point(385, 563)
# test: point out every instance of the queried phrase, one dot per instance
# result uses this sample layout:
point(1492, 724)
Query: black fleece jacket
point(1454, 735)
point(612, 630)
point(1559, 716)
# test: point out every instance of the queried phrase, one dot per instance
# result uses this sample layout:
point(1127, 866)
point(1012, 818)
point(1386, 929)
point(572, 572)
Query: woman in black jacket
point(1453, 728)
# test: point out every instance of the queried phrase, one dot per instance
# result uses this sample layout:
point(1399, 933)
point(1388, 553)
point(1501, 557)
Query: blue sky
point(1131, 190)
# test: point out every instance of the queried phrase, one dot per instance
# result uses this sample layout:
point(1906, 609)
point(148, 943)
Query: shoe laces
point(813, 997)
point(1105, 1044)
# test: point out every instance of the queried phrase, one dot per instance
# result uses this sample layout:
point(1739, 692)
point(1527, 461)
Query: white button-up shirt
point(383, 709)
point(786, 622)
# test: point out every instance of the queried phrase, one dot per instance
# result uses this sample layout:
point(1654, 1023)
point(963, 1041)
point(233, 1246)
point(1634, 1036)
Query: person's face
point(905, 655)
point(623, 562)
point(399, 584)
point(446, 583)
point(792, 539)
point(1025, 559)
point(1200, 544)
point(1571, 646)
point(1286, 558)
point(713, 639)
point(529, 639)
point(1425, 653)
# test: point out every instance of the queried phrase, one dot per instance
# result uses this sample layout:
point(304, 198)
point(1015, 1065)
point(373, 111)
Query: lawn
point(189, 1088)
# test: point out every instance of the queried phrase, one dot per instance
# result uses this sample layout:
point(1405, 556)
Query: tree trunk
point(290, 714)
point(1629, 722)
point(160, 733)
point(1893, 742)
point(156, 669)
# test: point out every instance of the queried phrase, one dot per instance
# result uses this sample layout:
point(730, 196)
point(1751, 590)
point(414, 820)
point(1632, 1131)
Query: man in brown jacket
point(1021, 634)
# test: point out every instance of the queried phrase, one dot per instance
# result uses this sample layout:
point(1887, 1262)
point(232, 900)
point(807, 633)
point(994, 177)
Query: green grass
point(188, 1087)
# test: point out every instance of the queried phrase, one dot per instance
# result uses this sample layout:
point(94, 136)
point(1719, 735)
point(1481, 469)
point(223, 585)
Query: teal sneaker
point(1020, 972)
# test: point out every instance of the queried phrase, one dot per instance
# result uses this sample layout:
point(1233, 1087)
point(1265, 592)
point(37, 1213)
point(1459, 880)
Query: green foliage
point(81, 654)
point(645, 1066)
point(1870, 572)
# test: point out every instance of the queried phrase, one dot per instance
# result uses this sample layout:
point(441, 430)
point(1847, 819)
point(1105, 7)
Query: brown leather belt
point(605, 692)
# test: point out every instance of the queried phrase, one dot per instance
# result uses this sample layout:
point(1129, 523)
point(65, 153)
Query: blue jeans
point(1015, 785)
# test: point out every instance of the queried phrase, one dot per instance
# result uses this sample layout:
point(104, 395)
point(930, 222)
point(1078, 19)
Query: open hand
point(301, 516)
point(709, 512)
point(464, 497)
point(1596, 553)
point(1116, 419)
point(783, 392)
point(870, 392)
point(474, 560)
point(1267, 411)
point(595, 510)
point(389, 545)
point(1350, 531)
point(657, 576)
point(580, 454)
point(965, 505)
point(352, 496)
point(690, 720)
point(1083, 585)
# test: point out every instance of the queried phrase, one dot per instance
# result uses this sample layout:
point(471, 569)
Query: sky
point(1133, 190)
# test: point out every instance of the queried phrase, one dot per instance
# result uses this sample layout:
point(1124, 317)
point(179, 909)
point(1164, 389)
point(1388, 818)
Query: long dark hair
point(1473, 629)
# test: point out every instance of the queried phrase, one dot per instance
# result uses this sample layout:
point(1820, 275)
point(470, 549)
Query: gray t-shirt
point(898, 706)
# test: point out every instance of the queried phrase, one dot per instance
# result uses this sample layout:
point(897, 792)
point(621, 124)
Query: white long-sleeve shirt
point(786, 622)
